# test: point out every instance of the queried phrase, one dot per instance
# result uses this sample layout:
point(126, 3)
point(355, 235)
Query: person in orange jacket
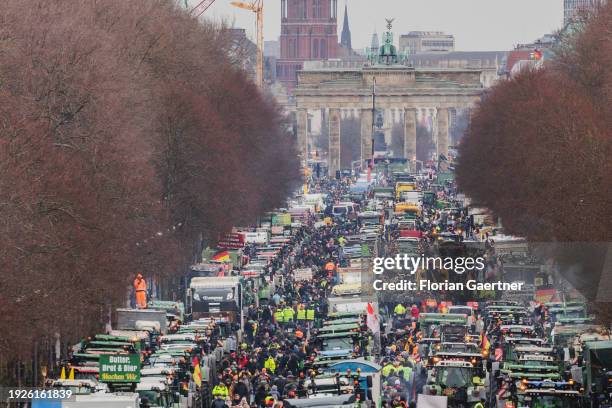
point(140, 289)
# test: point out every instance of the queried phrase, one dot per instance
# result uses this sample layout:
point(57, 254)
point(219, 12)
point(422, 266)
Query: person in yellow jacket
point(220, 390)
point(387, 369)
point(270, 364)
point(288, 314)
point(279, 316)
point(399, 310)
point(301, 312)
point(310, 316)
point(406, 372)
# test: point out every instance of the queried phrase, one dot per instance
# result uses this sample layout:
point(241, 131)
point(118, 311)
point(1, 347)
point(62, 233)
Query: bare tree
point(127, 134)
point(537, 152)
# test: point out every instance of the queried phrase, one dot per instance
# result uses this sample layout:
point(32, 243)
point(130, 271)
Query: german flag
point(197, 372)
point(221, 256)
point(486, 344)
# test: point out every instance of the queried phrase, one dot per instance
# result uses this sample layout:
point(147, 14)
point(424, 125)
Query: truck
point(414, 197)
point(403, 186)
point(370, 218)
point(409, 210)
point(215, 297)
point(383, 192)
point(459, 380)
point(597, 372)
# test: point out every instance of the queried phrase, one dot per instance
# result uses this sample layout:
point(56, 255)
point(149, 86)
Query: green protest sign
point(119, 368)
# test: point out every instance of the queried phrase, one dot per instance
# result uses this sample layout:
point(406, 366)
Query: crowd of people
point(273, 364)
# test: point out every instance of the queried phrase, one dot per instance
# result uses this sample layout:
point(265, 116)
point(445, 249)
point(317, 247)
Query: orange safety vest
point(140, 285)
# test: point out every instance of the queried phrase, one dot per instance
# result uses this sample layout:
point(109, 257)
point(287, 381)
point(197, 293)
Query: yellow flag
point(63, 374)
point(197, 375)
point(305, 188)
point(71, 375)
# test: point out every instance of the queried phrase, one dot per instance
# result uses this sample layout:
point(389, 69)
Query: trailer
point(153, 321)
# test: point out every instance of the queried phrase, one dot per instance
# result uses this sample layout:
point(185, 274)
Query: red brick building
point(309, 31)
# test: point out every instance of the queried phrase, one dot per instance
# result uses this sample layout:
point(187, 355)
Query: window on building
point(284, 9)
point(315, 48)
point(323, 49)
point(333, 9)
point(292, 48)
point(437, 43)
point(317, 9)
point(301, 9)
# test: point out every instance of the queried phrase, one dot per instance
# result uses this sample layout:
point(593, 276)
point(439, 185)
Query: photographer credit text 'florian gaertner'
point(411, 264)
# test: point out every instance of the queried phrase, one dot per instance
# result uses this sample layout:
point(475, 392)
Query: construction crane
point(201, 7)
point(256, 6)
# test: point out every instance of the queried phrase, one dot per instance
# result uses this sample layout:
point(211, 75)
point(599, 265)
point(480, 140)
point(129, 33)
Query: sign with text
point(116, 368)
point(303, 274)
point(281, 219)
point(546, 295)
point(278, 230)
point(233, 240)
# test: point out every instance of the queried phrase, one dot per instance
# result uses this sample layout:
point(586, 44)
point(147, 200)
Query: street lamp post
point(371, 166)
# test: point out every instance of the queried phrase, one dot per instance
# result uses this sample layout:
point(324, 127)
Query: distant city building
point(272, 49)
point(375, 42)
point(533, 55)
point(345, 48)
point(270, 69)
point(345, 39)
point(416, 42)
point(572, 8)
point(374, 46)
point(244, 54)
point(309, 31)
point(243, 51)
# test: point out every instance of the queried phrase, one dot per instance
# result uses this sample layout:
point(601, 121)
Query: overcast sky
point(479, 25)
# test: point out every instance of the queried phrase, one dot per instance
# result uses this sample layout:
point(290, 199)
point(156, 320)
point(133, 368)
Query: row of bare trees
point(538, 151)
point(127, 135)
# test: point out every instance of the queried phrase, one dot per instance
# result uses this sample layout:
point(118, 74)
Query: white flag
point(372, 320)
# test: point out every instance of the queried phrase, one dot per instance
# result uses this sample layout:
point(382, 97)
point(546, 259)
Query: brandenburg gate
point(398, 87)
